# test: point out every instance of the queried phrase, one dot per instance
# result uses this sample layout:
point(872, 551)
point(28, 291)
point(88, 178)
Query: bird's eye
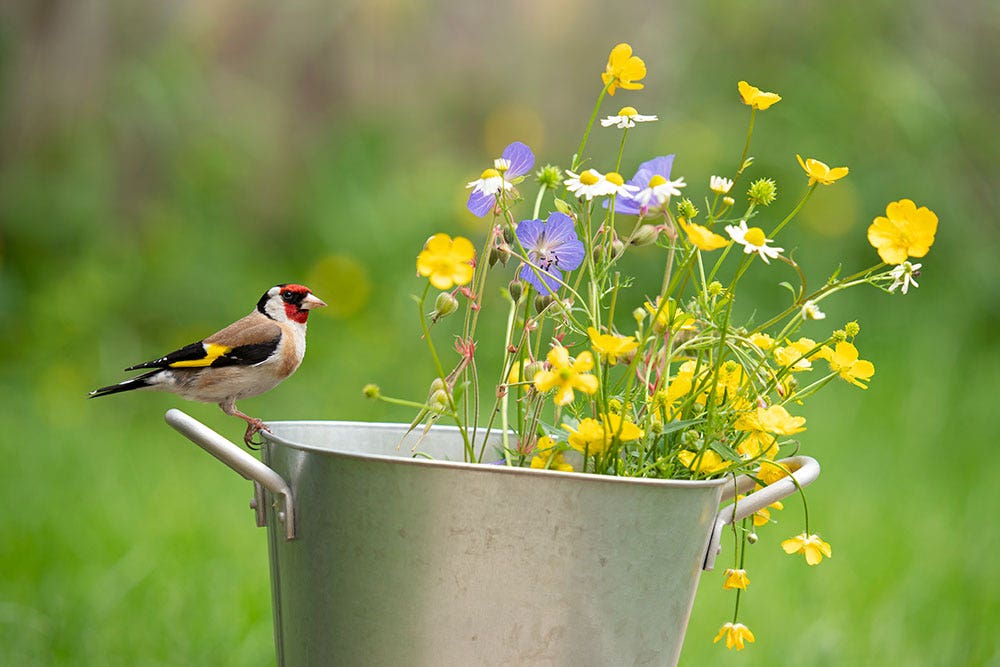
point(288, 295)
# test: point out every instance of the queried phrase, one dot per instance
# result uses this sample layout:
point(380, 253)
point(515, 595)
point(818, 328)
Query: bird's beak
point(312, 301)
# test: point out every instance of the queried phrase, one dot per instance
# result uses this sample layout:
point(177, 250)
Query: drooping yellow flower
point(735, 579)
point(819, 172)
point(810, 546)
point(611, 347)
point(755, 98)
point(729, 381)
point(709, 462)
point(548, 456)
point(905, 231)
point(762, 516)
point(736, 634)
point(623, 69)
point(701, 237)
point(565, 375)
point(446, 262)
point(594, 437)
point(844, 361)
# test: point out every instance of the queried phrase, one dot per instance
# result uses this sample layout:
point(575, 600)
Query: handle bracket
point(804, 469)
point(243, 463)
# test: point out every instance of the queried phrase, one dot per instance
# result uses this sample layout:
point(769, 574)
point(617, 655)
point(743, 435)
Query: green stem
point(578, 160)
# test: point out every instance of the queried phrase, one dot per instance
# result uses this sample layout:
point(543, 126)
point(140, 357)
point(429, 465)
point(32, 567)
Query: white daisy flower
point(811, 311)
point(659, 191)
point(627, 117)
point(490, 181)
point(592, 183)
point(903, 276)
point(719, 184)
point(753, 240)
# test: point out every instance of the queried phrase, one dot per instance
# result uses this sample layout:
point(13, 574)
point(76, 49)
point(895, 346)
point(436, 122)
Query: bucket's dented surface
point(409, 561)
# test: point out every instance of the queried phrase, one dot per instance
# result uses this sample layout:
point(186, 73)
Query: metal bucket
point(379, 558)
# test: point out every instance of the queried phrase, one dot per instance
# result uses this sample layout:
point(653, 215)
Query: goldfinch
point(247, 358)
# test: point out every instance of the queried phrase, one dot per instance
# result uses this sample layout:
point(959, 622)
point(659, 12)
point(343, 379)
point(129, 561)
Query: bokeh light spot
point(343, 282)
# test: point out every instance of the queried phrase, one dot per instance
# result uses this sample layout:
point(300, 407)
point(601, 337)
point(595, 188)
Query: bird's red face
point(298, 301)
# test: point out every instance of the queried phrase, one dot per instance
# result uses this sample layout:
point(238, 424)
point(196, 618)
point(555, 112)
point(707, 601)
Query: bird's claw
point(254, 427)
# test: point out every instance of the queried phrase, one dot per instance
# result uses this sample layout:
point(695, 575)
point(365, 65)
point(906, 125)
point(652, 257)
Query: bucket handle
point(804, 469)
point(243, 463)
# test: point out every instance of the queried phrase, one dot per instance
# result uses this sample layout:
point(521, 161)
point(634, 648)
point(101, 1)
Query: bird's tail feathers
point(128, 385)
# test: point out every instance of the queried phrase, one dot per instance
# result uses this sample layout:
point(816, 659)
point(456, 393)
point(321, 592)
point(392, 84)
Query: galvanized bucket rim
point(462, 465)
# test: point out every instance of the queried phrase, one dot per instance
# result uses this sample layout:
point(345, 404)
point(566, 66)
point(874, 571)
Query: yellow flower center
point(656, 180)
point(755, 236)
point(628, 111)
point(489, 173)
point(615, 177)
point(589, 177)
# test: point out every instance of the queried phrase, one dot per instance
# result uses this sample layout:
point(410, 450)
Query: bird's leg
point(254, 425)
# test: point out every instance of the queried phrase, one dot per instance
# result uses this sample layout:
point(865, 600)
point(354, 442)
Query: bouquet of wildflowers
point(601, 375)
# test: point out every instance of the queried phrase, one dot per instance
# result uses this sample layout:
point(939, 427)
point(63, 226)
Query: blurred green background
point(163, 164)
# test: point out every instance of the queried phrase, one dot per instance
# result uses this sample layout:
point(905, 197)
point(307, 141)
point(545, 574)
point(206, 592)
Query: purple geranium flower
point(552, 248)
point(658, 166)
point(517, 160)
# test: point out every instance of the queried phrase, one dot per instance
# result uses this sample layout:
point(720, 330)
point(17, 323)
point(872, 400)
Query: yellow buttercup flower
point(565, 375)
point(735, 634)
point(735, 579)
point(594, 437)
point(612, 347)
point(547, 456)
point(446, 262)
point(755, 98)
point(810, 546)
point(770, 472)
point(762, 516)
point(794, 354)
point(623, 69)
point(701, 237)
point(709, 462)
point(670, 316)
point(819, 172)
point(844, 361)
point(762, 340)
point(905, 231)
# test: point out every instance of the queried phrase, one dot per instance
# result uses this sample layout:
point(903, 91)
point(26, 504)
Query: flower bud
point(499, 254)
point(542, 302)
point(839, 336)
point(728, 201)
point(508, 236)
point(617, 248)
point(687, 209)
point(371, 391)
point(762, 192)
point(715, 288)
point(438, 400)
point(445, 304)
point(549, 177)
point(639, 314)
point(752, 538)
point(438, 385)
point(515, 289)
point(530, 370)
point(852, 329)
point(645, 235)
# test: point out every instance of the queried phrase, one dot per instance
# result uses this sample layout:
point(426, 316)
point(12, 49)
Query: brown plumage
point(249, 357)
